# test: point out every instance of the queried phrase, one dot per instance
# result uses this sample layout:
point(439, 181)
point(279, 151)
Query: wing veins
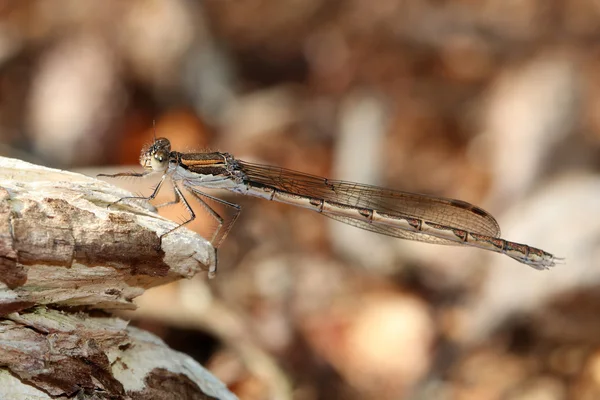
point(448, 212)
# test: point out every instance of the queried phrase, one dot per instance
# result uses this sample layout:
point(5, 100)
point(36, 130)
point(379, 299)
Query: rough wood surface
point(60, 244)
point(51, 354)
point(62, 248)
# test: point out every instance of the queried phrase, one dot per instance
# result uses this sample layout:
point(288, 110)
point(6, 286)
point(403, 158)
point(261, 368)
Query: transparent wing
point(395, 232)
point(448, 212)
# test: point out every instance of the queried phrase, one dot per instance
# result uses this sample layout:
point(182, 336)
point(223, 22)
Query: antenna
point(154, 125)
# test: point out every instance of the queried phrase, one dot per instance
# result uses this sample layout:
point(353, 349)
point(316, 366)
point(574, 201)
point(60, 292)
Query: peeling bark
point(65, 355)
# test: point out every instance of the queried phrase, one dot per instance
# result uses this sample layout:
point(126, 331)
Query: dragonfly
point(394, 213)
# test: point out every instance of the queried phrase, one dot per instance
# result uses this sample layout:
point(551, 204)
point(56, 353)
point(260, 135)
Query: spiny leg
point(168, 203)
point(180, 196)
point(219, 233)
point(154, 194)
point(148, 198)
point(223, 229)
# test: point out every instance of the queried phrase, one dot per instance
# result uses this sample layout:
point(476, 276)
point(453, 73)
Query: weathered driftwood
point(52, 354)
point(60, 247)
point(60, 244)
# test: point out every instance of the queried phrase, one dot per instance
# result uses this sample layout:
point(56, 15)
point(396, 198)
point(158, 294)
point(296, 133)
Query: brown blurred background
point(494, 102)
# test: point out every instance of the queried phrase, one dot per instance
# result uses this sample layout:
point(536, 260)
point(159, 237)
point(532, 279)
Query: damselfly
point(389, 212)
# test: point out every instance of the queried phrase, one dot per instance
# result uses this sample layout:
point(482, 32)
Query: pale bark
point(62, 246)
point(48, 354)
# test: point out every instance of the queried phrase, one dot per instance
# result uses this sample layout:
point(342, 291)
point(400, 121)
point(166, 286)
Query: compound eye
point(160, 160)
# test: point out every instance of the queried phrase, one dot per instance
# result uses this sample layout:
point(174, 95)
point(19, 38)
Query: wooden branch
point(47, 354)
point(60, 244)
